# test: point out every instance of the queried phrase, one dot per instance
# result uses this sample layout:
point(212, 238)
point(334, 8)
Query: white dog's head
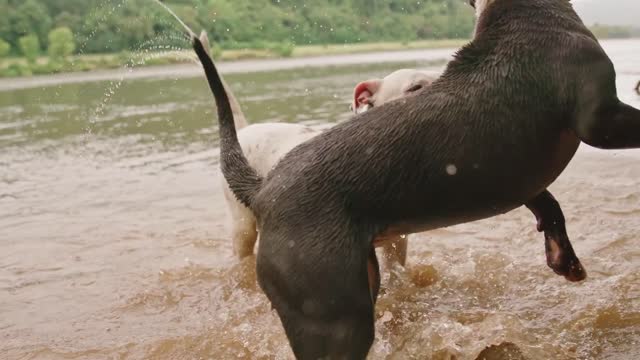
point(400, 83)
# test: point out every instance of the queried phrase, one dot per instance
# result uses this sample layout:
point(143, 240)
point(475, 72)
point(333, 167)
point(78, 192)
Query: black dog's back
point(400, 162)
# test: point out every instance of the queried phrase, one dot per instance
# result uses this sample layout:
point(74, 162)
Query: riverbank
point(192, 68)
point(351, 55)
point(19, 67)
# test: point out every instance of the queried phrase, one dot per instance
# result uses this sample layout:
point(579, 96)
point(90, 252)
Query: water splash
point(136, 60)
point(191, 33)
point(139, 57)
point(83, 43)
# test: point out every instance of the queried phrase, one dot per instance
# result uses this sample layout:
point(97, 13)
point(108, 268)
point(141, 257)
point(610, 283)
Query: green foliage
point(106, 26)
point(258, 28)
point(4, 48)
point(61, 43)
point(284, 49)
point(216, 51)
point(51, 67)
point(30, 17)
point(112, 26)
point(18, 69)
point(30, 47)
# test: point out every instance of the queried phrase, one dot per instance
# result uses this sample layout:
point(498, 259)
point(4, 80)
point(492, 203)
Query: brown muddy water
point(114, 235)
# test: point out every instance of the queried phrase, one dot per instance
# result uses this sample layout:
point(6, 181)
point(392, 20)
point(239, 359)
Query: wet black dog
point(490, 135)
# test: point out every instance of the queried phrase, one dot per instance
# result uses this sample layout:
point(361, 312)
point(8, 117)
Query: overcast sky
point(609, 12)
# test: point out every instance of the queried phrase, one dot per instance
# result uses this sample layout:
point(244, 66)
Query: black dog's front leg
point(560, 255)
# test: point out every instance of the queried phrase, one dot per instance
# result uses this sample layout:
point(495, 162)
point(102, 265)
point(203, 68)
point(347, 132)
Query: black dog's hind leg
point(560, 255)
point(323, 294)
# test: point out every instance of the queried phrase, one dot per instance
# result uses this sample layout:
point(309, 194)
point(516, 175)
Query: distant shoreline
point(193, 69)
point(14, 68)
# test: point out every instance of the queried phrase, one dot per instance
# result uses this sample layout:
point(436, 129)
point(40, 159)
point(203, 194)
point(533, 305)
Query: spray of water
point(133, 62)
point(141, 56)
point(191, 33)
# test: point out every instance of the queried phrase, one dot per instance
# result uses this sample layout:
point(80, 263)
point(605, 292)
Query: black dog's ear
point(472, 3)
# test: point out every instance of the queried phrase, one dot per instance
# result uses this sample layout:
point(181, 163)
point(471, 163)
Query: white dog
point(264, 144)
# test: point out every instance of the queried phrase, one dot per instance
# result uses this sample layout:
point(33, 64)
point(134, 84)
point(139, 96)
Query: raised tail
point(243, 180)
point(238, 116)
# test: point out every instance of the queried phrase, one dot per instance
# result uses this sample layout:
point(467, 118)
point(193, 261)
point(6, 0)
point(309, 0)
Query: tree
point(6, 30)
point(61, 43)
point(4, 48)
point(32, 17)
point(30, 47)
point(98, 26)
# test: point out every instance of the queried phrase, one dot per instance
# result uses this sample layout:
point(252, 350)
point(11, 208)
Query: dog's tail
point(238, 116)
point(243, 180)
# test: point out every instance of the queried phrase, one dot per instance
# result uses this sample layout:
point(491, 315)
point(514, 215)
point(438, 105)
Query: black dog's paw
point(564, 262)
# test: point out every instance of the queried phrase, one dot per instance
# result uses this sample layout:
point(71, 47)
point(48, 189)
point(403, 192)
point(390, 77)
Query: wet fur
point(264, 144)
point(509, 113)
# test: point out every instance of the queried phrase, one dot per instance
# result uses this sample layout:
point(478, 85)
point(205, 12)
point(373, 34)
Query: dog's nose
point(472, 3)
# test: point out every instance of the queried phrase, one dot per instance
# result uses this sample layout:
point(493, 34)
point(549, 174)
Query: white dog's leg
point(244, 236)
point(243, 225)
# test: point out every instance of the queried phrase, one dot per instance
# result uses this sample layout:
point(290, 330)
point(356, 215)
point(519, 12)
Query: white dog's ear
point(363, 93)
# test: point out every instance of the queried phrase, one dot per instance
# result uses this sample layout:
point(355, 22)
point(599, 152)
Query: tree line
point(107, 26)
point(60, 28)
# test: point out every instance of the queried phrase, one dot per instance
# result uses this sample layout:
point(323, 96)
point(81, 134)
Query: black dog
point(490, 135)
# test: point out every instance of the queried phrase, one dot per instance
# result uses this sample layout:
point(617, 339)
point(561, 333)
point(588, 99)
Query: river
point(114, 238)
